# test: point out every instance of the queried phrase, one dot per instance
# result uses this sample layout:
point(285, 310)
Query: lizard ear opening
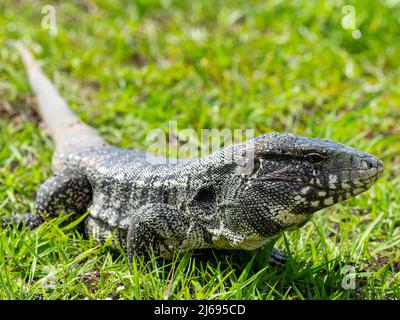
point(206, 194)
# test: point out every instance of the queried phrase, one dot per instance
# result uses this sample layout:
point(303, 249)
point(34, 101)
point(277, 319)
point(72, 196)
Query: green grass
point(127, 67)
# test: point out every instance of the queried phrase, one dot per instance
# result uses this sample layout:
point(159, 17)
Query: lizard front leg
point(161, 228)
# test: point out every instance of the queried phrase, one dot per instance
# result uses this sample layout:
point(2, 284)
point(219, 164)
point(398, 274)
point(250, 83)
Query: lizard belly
point(223, 238)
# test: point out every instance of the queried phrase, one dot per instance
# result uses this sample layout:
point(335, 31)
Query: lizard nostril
point(371, 162)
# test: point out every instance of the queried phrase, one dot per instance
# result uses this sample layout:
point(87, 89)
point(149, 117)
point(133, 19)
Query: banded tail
point(66, 129)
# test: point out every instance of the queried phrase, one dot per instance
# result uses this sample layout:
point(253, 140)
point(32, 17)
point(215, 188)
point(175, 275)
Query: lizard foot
point(157, 228)
point(277, 258)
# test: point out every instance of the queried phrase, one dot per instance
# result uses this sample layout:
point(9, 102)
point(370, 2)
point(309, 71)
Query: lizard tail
point(67, 131)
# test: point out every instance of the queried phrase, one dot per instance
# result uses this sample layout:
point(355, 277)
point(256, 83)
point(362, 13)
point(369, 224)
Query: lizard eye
point(314, 158)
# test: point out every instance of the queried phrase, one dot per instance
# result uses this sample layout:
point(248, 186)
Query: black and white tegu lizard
point(209, 202)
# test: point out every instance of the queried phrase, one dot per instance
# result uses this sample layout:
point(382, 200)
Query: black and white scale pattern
point(241, 197)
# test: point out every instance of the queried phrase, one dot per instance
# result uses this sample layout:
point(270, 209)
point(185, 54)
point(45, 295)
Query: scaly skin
point(242, 197)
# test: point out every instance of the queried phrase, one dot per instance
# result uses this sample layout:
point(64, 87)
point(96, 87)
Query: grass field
point(127, 67)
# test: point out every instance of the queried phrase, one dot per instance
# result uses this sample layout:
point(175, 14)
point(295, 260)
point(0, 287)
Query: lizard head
point(287, 177)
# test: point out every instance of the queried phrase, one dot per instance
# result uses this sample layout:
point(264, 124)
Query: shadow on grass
point(221, 274)
point(249, 275)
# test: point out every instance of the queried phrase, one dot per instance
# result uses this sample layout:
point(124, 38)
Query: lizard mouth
point(357, 181)
point(328, 189)
point(331, 192)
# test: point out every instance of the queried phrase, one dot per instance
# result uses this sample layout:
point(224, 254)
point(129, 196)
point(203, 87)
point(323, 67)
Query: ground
point(127, 67)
